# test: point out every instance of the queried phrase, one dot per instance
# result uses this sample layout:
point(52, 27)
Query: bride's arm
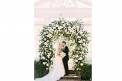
point(57, 52)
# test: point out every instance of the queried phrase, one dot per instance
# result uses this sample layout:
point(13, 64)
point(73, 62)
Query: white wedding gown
point(57, 71)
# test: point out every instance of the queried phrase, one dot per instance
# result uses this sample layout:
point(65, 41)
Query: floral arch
point(71, 31)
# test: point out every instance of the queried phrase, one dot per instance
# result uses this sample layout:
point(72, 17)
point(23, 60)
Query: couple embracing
point(60, 63)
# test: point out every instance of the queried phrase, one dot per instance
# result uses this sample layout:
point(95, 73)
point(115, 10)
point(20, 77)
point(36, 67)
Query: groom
point(66, 58)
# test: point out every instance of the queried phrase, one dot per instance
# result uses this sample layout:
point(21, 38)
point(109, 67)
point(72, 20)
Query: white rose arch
point(71, 31)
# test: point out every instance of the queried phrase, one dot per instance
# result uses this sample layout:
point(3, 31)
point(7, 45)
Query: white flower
point(63, 54)
point(44, 32)
point(77, 56)
point(56, 25)
point(80, 41)
point(47, 64)
point(49, 35)
point(42, 57)
point(78, 37)
point(72, 30)
point(51, 29)
point(46, 43)
point(84, 40)
point(77, 27)
point(81, 64)
point(84, 44)
point(80, 58)
point(76, 60)
point(44, 63)
point(46, 68)
point(82, 52)
point(44, 39)
point(48, 55)
point(60, 27)
point(47, 40)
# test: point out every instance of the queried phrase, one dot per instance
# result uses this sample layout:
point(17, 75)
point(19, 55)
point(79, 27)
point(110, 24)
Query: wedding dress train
point(57, 71)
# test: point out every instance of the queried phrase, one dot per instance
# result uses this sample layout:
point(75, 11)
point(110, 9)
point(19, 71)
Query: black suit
point(65, 59)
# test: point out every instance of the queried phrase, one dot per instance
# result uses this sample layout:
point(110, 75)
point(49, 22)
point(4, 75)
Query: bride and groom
point(60, 63)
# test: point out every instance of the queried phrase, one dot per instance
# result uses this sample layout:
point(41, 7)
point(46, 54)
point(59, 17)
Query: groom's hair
point(64, 42)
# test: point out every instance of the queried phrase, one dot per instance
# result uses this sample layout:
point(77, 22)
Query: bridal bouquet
point(62, 54)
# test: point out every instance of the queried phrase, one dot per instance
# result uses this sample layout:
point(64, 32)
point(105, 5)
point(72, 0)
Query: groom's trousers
point(65, 62)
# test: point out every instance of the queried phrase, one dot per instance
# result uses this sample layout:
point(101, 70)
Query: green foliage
point(39, 69)
point(86, 72)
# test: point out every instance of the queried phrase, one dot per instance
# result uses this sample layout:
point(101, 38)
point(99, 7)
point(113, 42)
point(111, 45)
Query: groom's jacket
point(66, 51)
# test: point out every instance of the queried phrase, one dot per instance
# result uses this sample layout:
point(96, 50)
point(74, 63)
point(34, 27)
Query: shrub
point(86, 72)
point(39, 69)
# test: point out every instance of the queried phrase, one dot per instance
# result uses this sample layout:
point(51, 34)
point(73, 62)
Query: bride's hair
point(64, 42)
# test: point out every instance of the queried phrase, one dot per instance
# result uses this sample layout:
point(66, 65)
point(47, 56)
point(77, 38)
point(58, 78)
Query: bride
point(57, 70)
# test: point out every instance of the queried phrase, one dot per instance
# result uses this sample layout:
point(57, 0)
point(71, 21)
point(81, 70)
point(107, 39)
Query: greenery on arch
point(69, 30)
